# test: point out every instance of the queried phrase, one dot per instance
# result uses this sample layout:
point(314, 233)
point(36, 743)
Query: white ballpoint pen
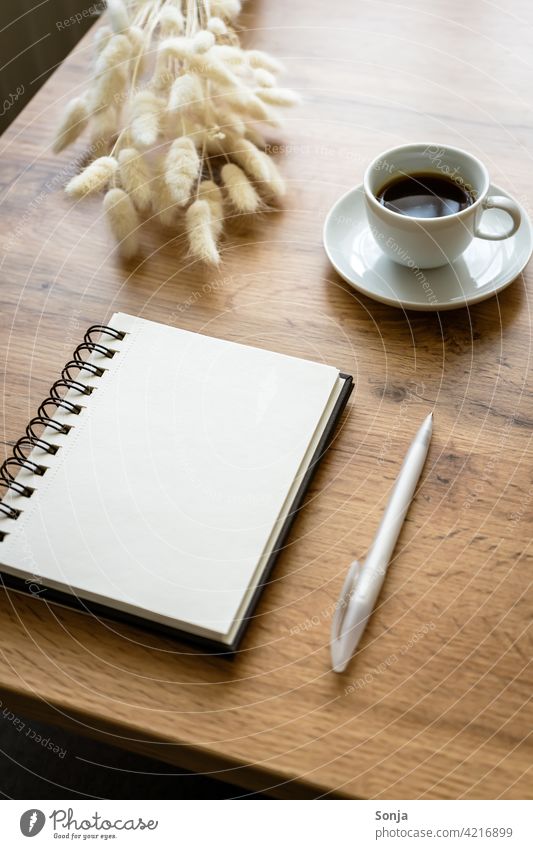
point(362, 585)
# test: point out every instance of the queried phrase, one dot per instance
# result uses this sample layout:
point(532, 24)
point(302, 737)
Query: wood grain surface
point(436, 704)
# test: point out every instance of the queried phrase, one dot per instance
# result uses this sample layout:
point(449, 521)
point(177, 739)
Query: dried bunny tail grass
point(209, 191)
point(202, 102)
point(214, 70)
point(117, 51)
point(118, 15)
point(73, 122)
point(123, 221)
point(246, 154)
point(275, 187)
point(278, 96)
point(193, 129)
point(229, 54)
point(229, 123)
point(179, 47)
point(217, 26)
point(227, 9)
point(264, 78)
point(240, 191)
point(202, 242)
point(111, 71)
point(186, 91)
point(244, 101)
point(203, 41)
point(162, 77)
point(146, 112)
point(255, 108)
point(258, 165)
point(136, 38)
point(259, 59)
point(210, 142)
point(135, 177)
point(186, 125)
point(104, 125)
point(101, 38)
point(171, 22)
point(163, 204)
point(93, 178)
point(108, 89)
point(182, 165)
point(253, 135)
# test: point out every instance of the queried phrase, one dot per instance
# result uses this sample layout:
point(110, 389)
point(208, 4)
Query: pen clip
point(348, 589)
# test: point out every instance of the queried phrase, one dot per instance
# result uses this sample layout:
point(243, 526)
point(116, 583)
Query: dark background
point(89, 769)
point(33, 41)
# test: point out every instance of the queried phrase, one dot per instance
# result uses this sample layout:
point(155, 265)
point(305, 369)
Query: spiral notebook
point(158, 481)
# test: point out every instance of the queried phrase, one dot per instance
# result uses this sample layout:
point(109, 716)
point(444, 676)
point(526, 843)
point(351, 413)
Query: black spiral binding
point(19, 458)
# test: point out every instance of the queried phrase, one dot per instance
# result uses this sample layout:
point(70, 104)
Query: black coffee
point(424, 196)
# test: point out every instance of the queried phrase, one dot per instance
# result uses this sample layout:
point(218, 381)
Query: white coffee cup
point(432, 242)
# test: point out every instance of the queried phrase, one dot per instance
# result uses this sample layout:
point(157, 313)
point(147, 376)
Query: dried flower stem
point(175, 100)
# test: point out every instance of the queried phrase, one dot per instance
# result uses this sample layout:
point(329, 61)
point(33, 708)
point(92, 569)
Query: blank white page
point(164, 494)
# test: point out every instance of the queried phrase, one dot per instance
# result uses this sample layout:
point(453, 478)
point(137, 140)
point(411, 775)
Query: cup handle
point(510, 207)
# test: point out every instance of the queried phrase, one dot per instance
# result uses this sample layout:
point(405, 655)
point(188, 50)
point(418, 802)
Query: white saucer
point(484, 269)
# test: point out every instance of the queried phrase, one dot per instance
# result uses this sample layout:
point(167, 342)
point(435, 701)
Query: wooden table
point(437, 702)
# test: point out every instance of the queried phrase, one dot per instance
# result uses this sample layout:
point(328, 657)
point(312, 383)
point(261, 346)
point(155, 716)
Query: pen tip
point(426, 429)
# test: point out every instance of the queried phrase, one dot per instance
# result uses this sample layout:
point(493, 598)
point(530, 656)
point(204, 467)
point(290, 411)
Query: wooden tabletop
point(436, 703)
